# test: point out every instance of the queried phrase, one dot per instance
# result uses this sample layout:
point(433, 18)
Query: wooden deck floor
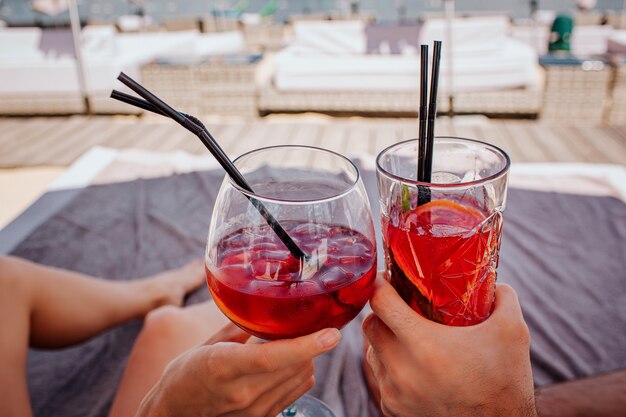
point(59, 141)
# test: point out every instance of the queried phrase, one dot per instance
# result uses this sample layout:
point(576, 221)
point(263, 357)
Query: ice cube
point(234, 276)
point(332, 278)
point(443, 177)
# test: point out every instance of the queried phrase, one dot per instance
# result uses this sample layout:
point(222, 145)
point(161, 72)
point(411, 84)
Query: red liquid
point(258, 284)
point(443, 257)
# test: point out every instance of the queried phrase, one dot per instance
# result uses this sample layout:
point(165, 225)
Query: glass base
point(307, 406)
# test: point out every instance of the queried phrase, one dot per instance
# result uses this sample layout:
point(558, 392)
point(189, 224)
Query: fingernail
point(328, 338)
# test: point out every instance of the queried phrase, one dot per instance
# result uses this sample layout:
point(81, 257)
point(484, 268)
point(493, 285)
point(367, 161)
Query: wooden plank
point(193, 145)
point(583, 146)
point(175, 139)
point(12, 128)
point(613, 140)
point(280, 134)
point(167, 137)
point(150, 139)
point(467, 131)
point(251, 138)
point(230, 135)
point(334, 136)
point(358, 138)
point(385, 135)
point(8, 126)
point(123, 132)
point(525, 151)
point(493, 133)
point(443, 127)
point(305, 134)
point(533, 149)
point(296, 134)
point(28, 135)
point(476, 131)
point(549, 145)
point(557, 145)
point(503, 135)
point(13, 134)
point(26, 142)
point(40, 148)
point(321, 129)
point(72, 146)
point(408, 129)
point(127, 133)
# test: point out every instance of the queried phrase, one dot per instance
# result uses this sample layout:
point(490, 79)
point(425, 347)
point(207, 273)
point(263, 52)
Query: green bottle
point(561, 33)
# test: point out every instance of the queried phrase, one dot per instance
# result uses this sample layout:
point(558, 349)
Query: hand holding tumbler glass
point(441, 238)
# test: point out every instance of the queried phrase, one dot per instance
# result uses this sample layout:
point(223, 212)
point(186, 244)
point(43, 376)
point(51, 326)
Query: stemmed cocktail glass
point(318, 198)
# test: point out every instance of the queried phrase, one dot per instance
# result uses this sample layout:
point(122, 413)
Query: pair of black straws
point(427, 112)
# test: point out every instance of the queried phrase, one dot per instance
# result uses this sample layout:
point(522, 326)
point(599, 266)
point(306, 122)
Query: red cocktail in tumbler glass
point(441, 239)
point(317, 196)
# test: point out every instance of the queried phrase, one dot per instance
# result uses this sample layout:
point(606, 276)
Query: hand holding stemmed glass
point(320, 201)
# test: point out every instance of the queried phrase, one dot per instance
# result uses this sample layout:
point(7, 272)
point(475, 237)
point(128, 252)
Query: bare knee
point(163, 322)
point(13, 280)
point(6, 264)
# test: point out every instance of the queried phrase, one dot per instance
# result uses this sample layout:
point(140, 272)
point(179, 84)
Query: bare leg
point(49, 308)
point(167, 332)
point(14, 326)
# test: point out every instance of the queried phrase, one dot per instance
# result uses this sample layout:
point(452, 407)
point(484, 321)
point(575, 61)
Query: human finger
point(379, 336)
point(255, 340)
point(506, 304)
point(264, 384)
point(507, 316)
point(228, 333)
point(373, 361)
point(281, 394)
point(267, 357)
point(292, 396)
point(392, 309)
point(370, 378)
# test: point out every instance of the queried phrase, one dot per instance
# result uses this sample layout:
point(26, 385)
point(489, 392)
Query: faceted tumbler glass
point(441, 238)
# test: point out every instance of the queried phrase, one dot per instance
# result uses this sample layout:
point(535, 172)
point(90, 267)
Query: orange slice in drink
point(443, 212)
point(427, 240)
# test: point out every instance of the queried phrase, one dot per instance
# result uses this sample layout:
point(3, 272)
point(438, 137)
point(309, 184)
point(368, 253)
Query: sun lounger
point(33, 81)
point(329, 59)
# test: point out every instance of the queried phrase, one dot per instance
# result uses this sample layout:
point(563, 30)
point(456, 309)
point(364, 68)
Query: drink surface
point(261, 287)
point(442, 257)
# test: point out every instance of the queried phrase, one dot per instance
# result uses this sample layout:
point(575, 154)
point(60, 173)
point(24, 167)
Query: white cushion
point(99, 42)
point(617, 42)
point(513, 65)
point(331, 37)
point(220, 43)
point(470, 35)
point(590, 40)
point(20, 43)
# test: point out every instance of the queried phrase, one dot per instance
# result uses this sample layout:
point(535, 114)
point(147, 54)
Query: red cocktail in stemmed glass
point(317, 196)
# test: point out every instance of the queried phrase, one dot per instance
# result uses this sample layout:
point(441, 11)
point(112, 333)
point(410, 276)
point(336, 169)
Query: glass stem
point(290, 411)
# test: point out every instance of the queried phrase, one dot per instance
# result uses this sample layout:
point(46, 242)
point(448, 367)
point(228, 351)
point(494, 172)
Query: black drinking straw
point(213, 147)
point(137, 102)
point(143, 104)
point(421, 155)
point(432, 112)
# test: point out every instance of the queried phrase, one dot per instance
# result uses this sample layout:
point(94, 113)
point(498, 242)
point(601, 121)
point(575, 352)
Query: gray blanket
point(564, 254)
